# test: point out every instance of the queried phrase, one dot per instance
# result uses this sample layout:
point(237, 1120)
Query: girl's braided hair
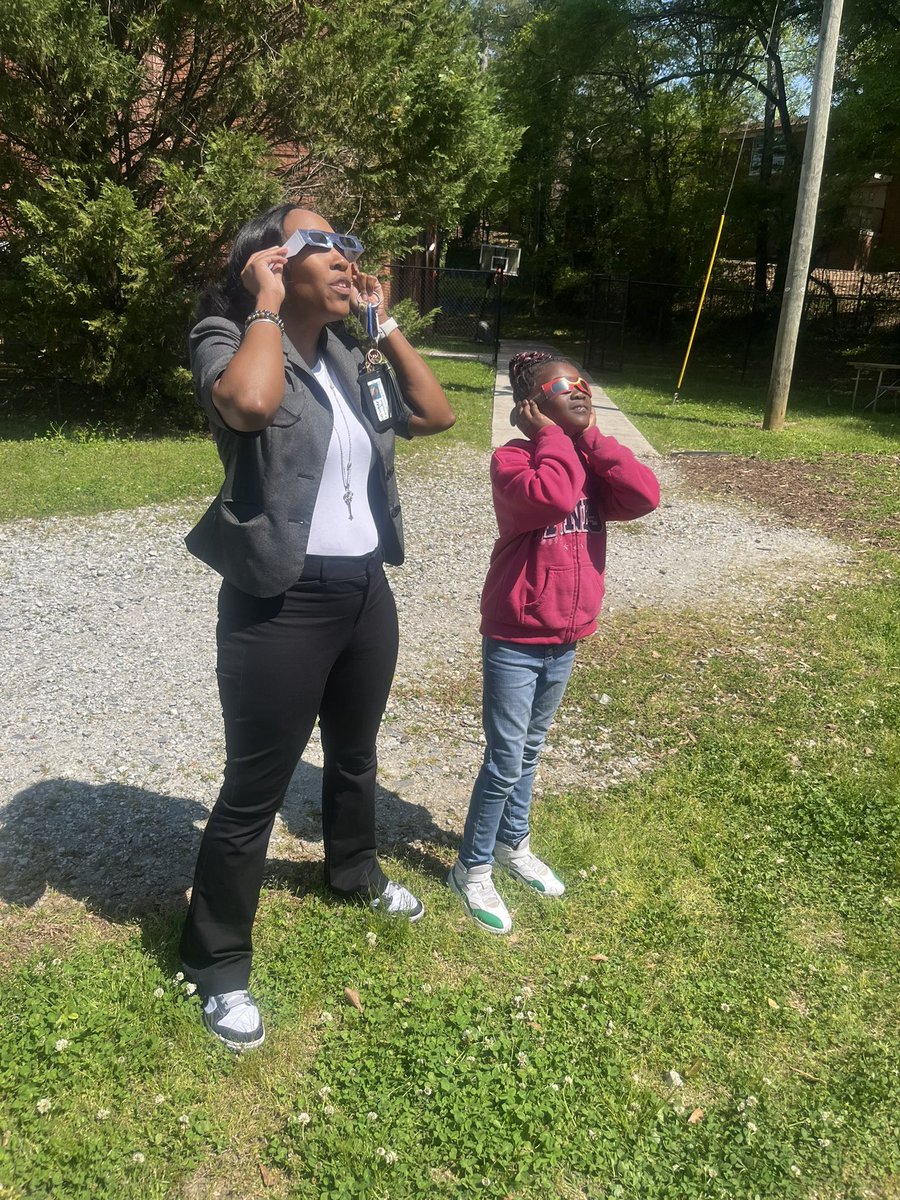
point(522, 368)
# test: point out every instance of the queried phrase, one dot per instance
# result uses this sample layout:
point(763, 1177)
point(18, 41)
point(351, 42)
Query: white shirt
point(332, 532)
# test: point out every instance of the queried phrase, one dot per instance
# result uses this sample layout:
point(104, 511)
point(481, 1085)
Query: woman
point(307, 624)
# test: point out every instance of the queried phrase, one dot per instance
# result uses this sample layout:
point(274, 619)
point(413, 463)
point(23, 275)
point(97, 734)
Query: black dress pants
point(326, 648)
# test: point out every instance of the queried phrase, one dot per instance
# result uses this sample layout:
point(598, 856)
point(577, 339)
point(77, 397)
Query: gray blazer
point(256, 530)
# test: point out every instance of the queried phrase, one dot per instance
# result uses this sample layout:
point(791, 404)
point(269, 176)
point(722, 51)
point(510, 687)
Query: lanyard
point(372, 328)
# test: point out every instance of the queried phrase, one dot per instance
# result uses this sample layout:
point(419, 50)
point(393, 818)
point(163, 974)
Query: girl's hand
point(366, 290)
point(529, 417)
point(263, 277)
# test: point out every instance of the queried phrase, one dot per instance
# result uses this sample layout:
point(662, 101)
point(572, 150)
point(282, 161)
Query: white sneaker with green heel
point(480, 898)
point(528, 868)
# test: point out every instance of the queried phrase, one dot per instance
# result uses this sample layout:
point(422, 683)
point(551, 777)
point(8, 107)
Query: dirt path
point(110, 728)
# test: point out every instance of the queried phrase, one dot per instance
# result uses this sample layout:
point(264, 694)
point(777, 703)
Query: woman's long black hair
point(229, 298)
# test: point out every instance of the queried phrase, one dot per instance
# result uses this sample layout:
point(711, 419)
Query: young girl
point(553, 494)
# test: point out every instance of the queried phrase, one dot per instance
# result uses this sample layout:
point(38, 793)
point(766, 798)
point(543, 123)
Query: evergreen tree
point(137, 136)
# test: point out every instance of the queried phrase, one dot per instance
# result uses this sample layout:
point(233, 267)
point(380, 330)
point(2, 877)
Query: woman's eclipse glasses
point(319, 239)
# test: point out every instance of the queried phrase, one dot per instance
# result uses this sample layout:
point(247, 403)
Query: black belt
point(327, 566)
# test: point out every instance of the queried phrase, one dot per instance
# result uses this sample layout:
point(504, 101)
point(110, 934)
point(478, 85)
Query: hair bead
point(522, 367)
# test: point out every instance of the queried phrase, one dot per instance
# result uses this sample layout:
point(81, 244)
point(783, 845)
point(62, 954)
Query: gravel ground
point(109, 722)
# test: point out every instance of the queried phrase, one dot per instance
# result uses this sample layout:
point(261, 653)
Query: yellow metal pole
point(709, 272)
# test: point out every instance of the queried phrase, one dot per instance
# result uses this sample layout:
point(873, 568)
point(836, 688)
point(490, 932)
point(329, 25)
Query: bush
point(413, 324)
point(135, 140)
point(101, 315)
point(104, 303)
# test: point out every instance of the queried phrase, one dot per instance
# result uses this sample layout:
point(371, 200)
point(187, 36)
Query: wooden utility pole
point(804, 217)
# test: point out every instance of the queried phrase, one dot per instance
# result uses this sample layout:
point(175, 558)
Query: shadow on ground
point(128, 853)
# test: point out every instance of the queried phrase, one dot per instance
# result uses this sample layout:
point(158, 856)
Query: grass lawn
point(829, 468)
point(709, 1014)
point(731, 916)
point(47, 471)
point(726, 417)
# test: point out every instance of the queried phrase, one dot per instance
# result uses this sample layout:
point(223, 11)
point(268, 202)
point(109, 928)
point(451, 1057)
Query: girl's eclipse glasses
point(351, 247)
point(561, 385)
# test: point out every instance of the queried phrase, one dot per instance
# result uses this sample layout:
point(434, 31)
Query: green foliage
point(631, 114)
point(614, 171)
point(104, 303)
point(136, 140)
point(413, 323)
point(865, 129)
point(92, 291)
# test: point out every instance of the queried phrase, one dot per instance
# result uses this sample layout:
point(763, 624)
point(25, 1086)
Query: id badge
point(378, 391)
point(376, 400)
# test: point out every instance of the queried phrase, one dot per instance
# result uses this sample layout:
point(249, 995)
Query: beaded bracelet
point(264, 314)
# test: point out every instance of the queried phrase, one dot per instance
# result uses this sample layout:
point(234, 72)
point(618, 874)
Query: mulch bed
point(821, 495)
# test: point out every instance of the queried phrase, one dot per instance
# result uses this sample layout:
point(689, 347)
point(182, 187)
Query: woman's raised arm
point(250, 390)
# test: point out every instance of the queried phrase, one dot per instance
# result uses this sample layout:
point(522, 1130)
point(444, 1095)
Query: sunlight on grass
point(730, 916)
point(727, 417)
point(45, 472)
point(60, 474)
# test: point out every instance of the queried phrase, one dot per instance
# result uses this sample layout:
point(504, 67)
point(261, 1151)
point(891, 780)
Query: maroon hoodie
point(553, 497)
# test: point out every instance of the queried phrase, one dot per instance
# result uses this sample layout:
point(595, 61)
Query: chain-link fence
point(448, 305)
point(618, 318)
point(455, 308)
point(625, 313)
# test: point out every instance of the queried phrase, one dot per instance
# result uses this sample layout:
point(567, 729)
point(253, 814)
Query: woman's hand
point(263, 277)
point(529, 417)
point(366, 290)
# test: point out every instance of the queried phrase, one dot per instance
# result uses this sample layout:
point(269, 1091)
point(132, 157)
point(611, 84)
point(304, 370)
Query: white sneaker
point(398, 901)
point(481, 900)
point(528, 868)
point(234, 1019)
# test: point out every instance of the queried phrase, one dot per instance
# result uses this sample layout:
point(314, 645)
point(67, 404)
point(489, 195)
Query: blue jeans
point(523, 686)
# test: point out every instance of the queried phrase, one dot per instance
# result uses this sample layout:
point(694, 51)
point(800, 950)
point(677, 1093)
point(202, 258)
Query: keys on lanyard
point(374, 357)
point(378, 388)
point(371, 322)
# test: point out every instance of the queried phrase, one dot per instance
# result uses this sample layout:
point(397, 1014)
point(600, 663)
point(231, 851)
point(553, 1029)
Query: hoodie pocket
point(569, 598)
point(553, 599)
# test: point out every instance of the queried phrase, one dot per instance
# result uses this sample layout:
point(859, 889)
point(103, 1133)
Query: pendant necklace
point(346, 468)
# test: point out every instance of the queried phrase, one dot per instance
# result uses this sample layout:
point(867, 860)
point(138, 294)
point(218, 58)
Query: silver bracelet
point(264, 314)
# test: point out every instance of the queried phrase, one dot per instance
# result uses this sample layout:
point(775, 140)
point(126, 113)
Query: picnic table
point(888, 383)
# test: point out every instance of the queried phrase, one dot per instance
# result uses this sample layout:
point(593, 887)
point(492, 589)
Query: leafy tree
point(138, 135)
point(613, 171)
point(741, 51)
point(865, 126)
point(628, 105)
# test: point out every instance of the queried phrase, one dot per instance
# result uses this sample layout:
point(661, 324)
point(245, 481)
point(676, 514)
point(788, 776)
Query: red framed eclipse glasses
point(561, 385)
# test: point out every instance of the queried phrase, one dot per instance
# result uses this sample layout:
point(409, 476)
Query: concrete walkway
point(610, 419)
